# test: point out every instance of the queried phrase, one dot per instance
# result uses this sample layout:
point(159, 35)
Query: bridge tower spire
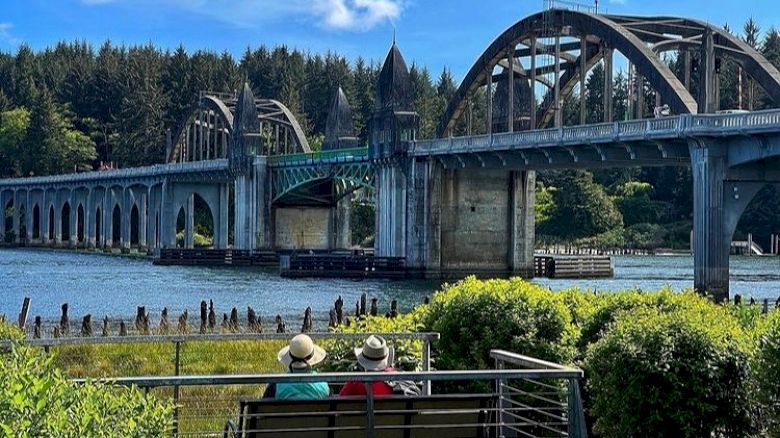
point(339, 129)
point(246, 123)
point(393, 127)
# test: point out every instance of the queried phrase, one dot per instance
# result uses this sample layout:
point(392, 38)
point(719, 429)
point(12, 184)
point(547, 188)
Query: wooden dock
point(578, 266)
point(215, 257)
point(344, 266)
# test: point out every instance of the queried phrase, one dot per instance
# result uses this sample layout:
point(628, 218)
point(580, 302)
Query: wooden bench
point(437, 416)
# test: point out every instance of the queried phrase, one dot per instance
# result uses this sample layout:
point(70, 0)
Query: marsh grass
point(202, 409)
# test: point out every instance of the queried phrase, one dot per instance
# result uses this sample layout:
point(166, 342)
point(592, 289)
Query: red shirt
point(359, 388)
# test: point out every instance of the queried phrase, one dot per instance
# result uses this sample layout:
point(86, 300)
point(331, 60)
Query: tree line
point(71, 106)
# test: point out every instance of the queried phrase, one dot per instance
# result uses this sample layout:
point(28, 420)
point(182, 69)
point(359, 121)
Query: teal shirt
point(300, 391)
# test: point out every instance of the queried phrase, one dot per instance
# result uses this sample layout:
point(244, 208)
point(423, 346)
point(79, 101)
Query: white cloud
point(348, 15)
point(5, 34)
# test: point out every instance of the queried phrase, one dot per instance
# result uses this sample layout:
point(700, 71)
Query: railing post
point(500, 423)
point(576, 414)
point(177, 364)
point(370, 409)
point(426, 359)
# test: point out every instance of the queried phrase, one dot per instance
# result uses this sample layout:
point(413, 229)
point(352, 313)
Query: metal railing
point(570, 414)
point(541, 399)
point(332, 156)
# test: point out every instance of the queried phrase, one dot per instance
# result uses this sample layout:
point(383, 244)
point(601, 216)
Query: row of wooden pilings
point(231, 323)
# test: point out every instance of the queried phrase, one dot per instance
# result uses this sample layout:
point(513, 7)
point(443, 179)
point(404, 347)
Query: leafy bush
point(475, 316)
point(36, 400)
point(767, 372)
point(408, 353)
point(609, 306)
point(682, 374)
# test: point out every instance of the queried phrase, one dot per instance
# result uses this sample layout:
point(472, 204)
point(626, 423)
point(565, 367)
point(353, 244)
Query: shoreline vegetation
point(700, 368)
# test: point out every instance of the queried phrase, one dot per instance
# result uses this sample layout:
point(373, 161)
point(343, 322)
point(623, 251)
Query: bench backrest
point(438, 416)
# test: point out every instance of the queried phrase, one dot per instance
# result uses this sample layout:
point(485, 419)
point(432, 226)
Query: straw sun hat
point(301, 353)
point(374, 353)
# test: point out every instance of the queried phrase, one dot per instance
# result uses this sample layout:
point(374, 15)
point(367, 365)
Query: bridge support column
point(390, 211)
point(127, 209)
point(73, 224)
point(710, 241)
point(343, 223)
point(522, 222)
point(168, 217)
point(189, 222)
point(16, 227)
point(221, 227)
point(142, 220)
point(718, 204)
point(57, 220)
point(28, 219)
point(252, 209)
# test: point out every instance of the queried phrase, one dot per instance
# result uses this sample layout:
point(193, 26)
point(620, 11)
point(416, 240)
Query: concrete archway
point(65, 222)
point(36, 222)
point(116, 226)
point(51, 222)
point(80, 225)
point(134, 226)
point(98, 227)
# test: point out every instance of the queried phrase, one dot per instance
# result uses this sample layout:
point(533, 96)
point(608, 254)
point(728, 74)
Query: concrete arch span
point(639, 39)
point(208, 130)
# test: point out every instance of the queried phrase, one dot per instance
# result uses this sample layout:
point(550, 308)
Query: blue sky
point(435, 33)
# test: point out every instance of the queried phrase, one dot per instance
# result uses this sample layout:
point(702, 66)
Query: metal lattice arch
point(207, 132)
point(574, 42)
point(301, 182)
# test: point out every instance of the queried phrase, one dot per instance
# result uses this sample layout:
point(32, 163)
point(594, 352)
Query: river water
point(114, 286)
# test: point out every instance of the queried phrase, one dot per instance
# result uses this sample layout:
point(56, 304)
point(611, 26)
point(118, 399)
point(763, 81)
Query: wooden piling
point(23, 314)
point(64, 321)
point(122, 328)
point(234, 324)
point(374, 306)
point(86, 326)
point(363, 299)
point(253, 323)
point(212, 317)
point(38, 329)
point(307, 321)
point(164, 324)
point(203, 317)
point(106, 330)
point(184, 326)
point(332, 323)
point(339, 308)
point(280, 326)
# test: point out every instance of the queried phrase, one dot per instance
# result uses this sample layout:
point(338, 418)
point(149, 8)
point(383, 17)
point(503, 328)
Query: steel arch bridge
point(298, 177)
point(557, 48)
point(207, 131)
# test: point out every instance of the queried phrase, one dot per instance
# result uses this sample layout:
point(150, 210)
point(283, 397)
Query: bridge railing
point(675, 127)
point(332, 156)
point(133, 172)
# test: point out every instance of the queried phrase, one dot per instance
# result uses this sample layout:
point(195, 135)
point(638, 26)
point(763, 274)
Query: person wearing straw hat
point(372, 356)
point(299, 357)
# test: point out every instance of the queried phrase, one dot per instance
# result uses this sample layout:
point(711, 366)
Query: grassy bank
point(202, 408)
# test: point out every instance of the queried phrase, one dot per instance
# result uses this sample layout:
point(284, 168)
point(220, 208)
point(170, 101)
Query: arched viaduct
point(460, 204)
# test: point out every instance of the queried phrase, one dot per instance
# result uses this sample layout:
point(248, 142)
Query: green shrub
point(475, 316)
point(37, 401)
point(681, 374)
point(408, 353)
point(608, 306)
point(767, 372)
